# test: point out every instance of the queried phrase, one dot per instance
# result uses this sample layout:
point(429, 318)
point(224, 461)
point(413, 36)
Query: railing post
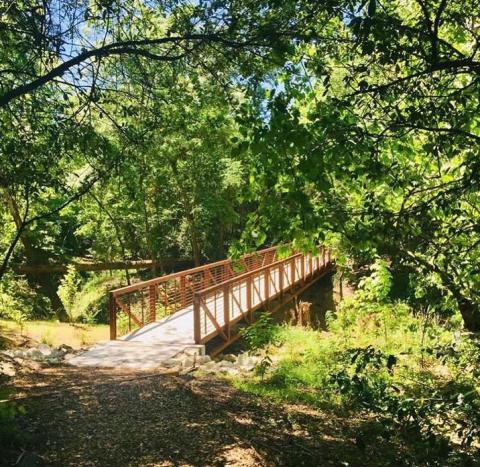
point(302, 269)
point(281, 272)
point(113, 317)
point(152, 303)
point(183, 299)
point(129, 314)
point(292, 272)
point(142, 301)
point(310, 263)
point(266, 288)
point(197, 334)
point(249, 299)
point(226, 310)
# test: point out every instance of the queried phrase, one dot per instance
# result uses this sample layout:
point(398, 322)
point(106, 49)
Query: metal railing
point(217, 308)
point(144, 302)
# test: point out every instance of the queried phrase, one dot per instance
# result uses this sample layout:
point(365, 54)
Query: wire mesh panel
point(139, 304)
point(238, 297)
point(220, 293)
point(274, 281)
point(258, 288)
point(211, 315)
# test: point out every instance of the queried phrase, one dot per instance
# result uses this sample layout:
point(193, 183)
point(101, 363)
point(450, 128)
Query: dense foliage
point(371, 140)
point(153, 130)
point(411, 380)
point(176, 130)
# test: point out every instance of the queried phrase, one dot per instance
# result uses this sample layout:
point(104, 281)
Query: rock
point(19, 353)
point(225, 364)
point(188, 361)
point(45, 350)
point(7, 369)
point(64, 348)
point(203, 359)
point(246, 368)
point(170, 363)
point(244, 359)
point(209, 366)
point(229, 358)
point(57, 354)
point(34, 354)
point(199, 351)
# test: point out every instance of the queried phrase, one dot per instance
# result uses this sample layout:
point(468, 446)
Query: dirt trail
point(79, 417)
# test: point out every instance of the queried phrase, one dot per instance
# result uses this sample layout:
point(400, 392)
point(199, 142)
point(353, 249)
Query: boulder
point(7, 369)
point(57, 354)
point(209, 366)
point(199, 351)
point(229, 358)
point(225, 364)
point(20, 353)
point(54, 360)
point(64, 348)
point(244, 360)
point(34, 354)
point(45, 350)
point(170, 363)
point(188, 361)
point(203, 359)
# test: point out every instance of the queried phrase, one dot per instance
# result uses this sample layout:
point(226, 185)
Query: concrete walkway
point(146, 348)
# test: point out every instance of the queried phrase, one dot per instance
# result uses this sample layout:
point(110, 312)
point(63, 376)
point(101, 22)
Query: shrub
point(19, 301)
point(261, 333)
point(417, 378)
point(91, 301)
point(68, 289)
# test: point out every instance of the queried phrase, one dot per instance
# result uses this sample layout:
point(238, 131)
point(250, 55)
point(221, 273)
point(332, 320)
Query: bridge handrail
point(139, 301)
point(175, 275)
point(240, 277)
point(215, 304)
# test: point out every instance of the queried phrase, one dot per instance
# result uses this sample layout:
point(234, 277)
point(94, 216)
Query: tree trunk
point(470, 313)
point(195, 247)
point(188, 207)
point(52, 268)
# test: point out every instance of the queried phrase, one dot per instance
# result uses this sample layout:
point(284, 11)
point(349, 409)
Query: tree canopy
point(148, 130)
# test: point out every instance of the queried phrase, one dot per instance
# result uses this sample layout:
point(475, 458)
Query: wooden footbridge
point(203, 306)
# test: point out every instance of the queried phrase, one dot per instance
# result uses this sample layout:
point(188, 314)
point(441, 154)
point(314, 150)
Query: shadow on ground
point(78, 417)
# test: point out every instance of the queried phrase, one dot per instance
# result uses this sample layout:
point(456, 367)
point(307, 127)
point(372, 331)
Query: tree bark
point(470, 313)
point(102, 266)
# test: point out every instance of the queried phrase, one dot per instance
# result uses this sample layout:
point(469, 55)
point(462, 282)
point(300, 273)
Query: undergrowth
point(417, 376)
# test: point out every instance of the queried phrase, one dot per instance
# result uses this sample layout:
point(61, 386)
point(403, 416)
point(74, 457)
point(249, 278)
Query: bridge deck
point(211, 313)
point(145, 348)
